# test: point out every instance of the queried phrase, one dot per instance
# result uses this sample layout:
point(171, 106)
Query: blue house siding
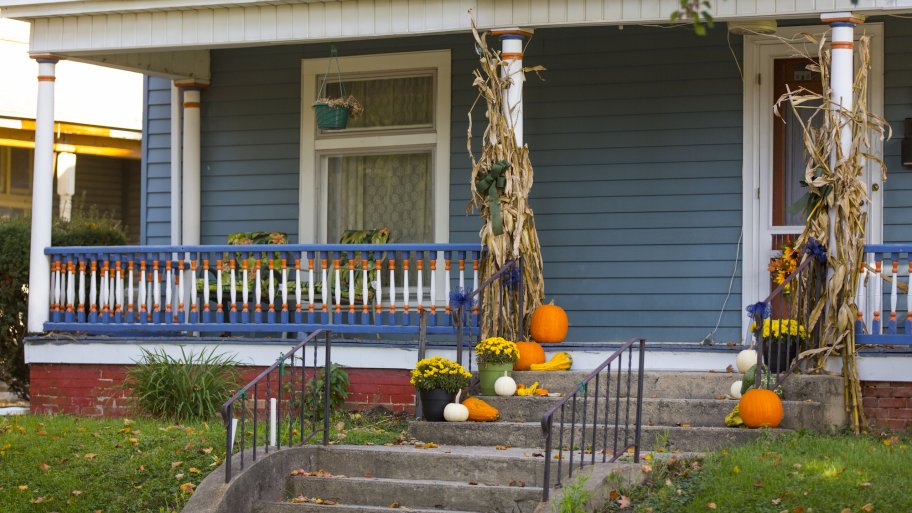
point(636, 143)
point(156, 163)
point(897, 107)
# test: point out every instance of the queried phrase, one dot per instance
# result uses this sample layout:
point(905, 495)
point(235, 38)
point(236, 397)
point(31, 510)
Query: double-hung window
point(390, 166)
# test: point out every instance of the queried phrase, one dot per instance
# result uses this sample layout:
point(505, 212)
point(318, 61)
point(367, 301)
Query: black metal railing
point(586, 433)
point(504, 289)
point(789, 322)
point(294, 386)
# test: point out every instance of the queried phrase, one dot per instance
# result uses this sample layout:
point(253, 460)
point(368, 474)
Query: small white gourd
point(735, 390)
point(505, 386)
point(745, 360)
point(455, 412)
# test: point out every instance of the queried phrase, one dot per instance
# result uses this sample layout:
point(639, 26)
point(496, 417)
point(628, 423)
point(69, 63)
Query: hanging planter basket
point(333, 113)
point(330, 117)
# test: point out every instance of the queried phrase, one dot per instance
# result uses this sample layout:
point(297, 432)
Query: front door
point(774, 154)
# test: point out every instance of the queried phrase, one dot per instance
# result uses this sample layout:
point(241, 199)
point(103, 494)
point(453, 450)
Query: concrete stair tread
point(419, 482)
point(282, 507)
point(473, 451)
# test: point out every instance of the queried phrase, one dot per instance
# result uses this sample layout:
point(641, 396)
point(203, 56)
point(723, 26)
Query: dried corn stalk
point(500, 314)
point(837, 197)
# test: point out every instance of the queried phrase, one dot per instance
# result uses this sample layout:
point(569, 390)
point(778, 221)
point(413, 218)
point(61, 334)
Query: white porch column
point(512, 41)
point(190, 165)
point(42, 198)
point(176, 217)
point(842, 72)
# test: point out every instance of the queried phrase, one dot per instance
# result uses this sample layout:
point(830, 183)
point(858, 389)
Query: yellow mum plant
point(438, 372)
point(779, 330)
point(496, 350)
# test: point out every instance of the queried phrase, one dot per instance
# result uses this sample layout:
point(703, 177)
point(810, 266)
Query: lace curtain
point(373, 191)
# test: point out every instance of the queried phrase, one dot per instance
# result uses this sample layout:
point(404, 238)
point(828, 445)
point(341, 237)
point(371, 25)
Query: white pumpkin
point(735, 390)
point(745, 360)
point(505, 386)
point(455, 412)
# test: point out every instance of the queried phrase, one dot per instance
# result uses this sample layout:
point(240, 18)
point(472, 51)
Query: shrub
point(190, 388)
point(87, 228)
point(338, 391)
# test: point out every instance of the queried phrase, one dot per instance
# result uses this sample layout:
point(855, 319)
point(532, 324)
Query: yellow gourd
point(480, 411)
point(523, 390)
point(560, 361)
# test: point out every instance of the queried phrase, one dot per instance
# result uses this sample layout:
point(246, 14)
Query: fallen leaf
point(394, 505)
point(133, 441)
point(798, 509)
point(614, 495)
point(777, 501)
point(473, 483)
point(23, 488)
point(502, 447)
point(868, 508)
point(178, 476)
point(729, 369)
point(39, 500)
point(623, 501)
point(90, 456)
point(758, 483)
point(519, 483)
point(646, 468)
point(340, 426)
point(865, 485)
point(647, 456)
point(846, 510)
point(44, 467)
point(76, 493)
point(194, 470)
point(175, 464)
point(187, 488)
point(368, 474)
point(206, 450)
point(142, 468)
point(711, 505)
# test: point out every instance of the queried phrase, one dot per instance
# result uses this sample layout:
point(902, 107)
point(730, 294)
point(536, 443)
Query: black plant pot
point(778, 357)
point(433, 403)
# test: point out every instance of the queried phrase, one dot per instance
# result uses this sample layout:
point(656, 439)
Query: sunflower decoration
point(784, 265)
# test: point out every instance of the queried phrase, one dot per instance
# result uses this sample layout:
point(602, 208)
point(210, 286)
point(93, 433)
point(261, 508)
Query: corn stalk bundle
point(500, 315)
point(836, 214)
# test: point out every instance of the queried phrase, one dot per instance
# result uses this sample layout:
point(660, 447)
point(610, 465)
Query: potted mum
point(495, 357)
point(437, 381)
point(784, 338)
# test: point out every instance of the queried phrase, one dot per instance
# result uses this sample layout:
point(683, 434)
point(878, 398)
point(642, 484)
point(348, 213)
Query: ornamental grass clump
point(439, 373)
point(496, 351)
point(189, 388)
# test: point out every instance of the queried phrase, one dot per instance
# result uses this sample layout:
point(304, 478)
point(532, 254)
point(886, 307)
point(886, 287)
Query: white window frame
point(317, 146)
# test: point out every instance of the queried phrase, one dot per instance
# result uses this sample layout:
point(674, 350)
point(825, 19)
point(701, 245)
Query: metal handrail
point(547, 422)
point(805, 292)
point(280, 365)
point(459, 315)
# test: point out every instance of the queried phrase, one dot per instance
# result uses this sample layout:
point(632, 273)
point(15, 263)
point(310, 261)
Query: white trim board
point(759, 53)
point(870, 368)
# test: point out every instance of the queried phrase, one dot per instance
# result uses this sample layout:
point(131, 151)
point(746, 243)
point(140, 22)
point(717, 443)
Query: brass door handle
point(875, 187)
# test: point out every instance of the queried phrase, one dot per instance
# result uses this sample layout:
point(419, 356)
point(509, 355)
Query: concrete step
point(686, 385)
point(428, 494)
point(659, 412)
point(289, 507)
point(529, 434)
point(482, 465)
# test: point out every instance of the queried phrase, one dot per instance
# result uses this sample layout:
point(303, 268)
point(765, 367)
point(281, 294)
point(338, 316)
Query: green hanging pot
point(329, 118)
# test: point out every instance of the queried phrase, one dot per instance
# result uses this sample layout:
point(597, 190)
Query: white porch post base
point(42, 198)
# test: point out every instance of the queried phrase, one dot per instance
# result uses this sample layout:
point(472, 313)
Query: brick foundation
point(97, 390)
point(888, 404)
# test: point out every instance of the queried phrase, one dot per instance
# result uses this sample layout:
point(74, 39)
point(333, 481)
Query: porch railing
point(287, 394)
point(600, 433)
point(353, 288)
point(886, 276)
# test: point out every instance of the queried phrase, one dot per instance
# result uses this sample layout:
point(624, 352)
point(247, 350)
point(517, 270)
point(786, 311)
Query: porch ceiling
point(89, 28)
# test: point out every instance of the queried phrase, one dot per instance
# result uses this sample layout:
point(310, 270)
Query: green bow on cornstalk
point(492, 183)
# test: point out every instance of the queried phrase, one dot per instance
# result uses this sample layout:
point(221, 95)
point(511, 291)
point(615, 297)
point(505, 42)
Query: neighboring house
point(97, 129)
point(662, 180)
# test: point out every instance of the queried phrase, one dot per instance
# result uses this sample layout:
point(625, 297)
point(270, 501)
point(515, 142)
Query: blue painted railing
point(886, 276)
point(345, 288)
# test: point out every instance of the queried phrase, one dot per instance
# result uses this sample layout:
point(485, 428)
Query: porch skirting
point(96, 390)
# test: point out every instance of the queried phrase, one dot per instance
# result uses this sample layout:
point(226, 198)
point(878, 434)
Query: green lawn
point(798, 473)
point(70, 464)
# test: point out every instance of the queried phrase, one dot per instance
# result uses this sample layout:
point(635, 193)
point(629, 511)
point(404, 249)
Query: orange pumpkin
point(549, 324)
point(529, 353)
point(759, 407)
